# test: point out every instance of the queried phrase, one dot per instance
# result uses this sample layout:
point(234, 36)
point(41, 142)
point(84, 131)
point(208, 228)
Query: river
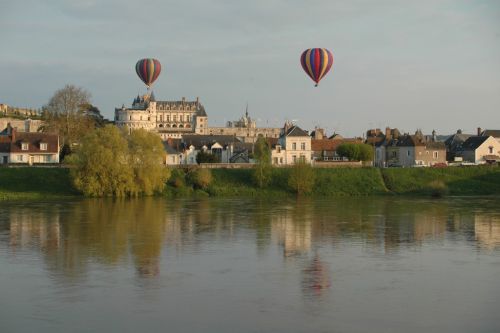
point(364, 264)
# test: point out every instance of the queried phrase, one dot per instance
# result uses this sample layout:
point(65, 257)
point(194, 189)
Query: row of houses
point(391, 147)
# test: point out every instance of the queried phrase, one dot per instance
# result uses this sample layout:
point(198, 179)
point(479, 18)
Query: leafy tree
point(206, 157)
point(146, 155)
point(101, 164)
point(263, 169)
point(110, 162)
point(301, 178)
point(356, 151)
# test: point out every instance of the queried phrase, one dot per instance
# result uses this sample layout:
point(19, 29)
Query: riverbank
point(45, 183)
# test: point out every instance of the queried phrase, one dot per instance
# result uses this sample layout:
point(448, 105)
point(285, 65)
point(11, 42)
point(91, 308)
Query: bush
point(301, 179)
point(200, 178)
point(177, 178)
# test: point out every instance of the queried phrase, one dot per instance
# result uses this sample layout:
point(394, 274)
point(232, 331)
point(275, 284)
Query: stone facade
point(170, 119)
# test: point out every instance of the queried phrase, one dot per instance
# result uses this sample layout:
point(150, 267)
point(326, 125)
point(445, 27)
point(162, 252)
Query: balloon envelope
point(148, 70)
point(316, 63)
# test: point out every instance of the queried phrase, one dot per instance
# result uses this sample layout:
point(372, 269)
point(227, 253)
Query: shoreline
point(37, 184)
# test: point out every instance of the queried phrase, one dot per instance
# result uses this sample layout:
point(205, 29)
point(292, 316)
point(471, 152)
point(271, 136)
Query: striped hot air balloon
point(148, 70)
point(316, 63)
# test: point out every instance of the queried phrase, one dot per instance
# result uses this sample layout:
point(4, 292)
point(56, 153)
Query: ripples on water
point(226, 265)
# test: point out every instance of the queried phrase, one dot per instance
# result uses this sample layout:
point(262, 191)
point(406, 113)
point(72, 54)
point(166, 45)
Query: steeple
point(152, 97)
point(246, 111)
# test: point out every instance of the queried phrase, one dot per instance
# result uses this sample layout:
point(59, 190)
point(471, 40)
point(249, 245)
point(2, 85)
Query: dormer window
point(24, 146)
point(43, 146)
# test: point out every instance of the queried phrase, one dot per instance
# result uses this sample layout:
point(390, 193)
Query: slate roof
point(474, 142)
point(296, 131)
point(199, 141)
point(493, 133)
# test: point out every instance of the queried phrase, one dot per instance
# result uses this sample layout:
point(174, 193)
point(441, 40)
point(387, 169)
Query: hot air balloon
point(316, 63)
point(148, 70)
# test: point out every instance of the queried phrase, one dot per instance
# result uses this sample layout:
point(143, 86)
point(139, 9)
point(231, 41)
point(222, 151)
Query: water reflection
point(70, 236)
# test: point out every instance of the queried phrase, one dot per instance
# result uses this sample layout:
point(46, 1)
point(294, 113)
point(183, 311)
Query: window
point(46, 158)
point(302, 158)
point(394, 154)
point(294, 147)
point(43, 146)
point(188, 118)
point(19, 158)
point(303, 146)
point(275, 160)
point(278, 149)
point(168, 118)
point(281, 160)
point(181, 118)
point(408, 152)
point(435, 154)
point(294, 158)
point(24, 146)
point(491, 149)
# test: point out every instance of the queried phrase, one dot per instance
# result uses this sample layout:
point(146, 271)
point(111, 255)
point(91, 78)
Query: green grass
point(35, 183)
point(473, 180)
point(46, 183)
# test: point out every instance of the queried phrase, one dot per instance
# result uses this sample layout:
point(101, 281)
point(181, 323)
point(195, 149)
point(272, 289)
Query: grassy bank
point(35, 183)
point(45, 183)
point(476, 180)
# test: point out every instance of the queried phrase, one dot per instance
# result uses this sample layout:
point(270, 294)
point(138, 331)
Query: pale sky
point(430, 64)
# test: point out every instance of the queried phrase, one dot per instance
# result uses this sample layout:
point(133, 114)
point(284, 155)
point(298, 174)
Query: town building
point(454, 145)
point(28, 148)
point(415, 150)
point(170, 119)
point(246, 129)
point(379, 140)
point(228, 149)
point(293, 145)
point(480, 150)
point(21, 125)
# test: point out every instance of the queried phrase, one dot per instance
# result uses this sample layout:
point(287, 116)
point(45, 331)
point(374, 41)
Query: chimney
point(434, 137)
point(13, 133)
point(479, 130)
point(387, 133)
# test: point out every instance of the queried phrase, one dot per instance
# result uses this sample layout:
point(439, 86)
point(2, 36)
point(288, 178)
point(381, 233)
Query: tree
point(301, 178)
point(70, 115)
point(356, 151)
point(146, 156)
point(109, 162)
point(263, 168)
point(101, 164)
point(206, 157)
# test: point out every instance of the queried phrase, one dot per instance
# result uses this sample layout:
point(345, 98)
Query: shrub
point(200, 178)
point(301, 179)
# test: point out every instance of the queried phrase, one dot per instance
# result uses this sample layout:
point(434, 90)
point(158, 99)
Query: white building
point(293, 145)
point(170, 119)
point(480, 149)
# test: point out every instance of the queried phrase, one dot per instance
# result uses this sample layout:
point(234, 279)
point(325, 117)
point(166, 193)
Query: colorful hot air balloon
point(316, 63)
point(148, 70)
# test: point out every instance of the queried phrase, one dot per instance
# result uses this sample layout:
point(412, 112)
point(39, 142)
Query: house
point(28, 148)
point(228, 148)
point(481, 149)
point(379, 140)
point(415, 150)
point(454, 145)
point(294, 144)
